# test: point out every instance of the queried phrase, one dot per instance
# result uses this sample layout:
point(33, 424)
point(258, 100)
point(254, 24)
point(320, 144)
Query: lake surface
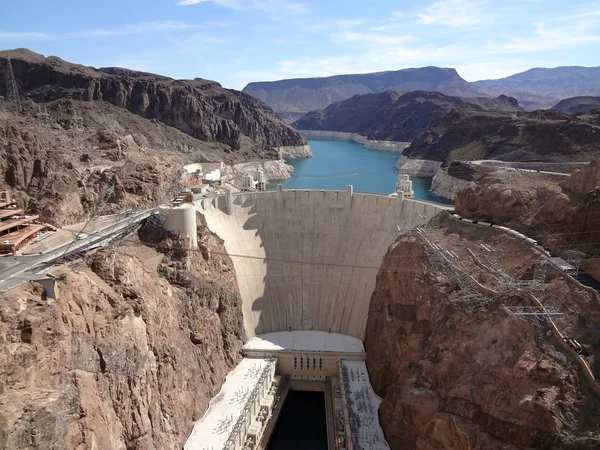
point(336, 164)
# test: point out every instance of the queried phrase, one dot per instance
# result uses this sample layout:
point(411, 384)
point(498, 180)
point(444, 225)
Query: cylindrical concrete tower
point(183, 220)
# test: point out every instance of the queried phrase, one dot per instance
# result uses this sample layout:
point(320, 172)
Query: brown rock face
point(561, 216)
point(455, 372)
point(128, 356)
point(200, 108)
point(584, 182)
point(466, 134)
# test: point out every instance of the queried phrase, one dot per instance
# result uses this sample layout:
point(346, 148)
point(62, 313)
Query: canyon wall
point(127, 357)
point(456, 372)
point(388, 146)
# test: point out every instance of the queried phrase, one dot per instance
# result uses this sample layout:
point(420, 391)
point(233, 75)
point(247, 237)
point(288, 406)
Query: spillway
point(307, 259)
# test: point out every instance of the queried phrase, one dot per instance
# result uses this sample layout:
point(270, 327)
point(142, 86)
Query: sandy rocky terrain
point(456, 372)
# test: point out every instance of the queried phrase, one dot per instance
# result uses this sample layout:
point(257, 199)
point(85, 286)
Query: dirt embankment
point(128, 356)
point(455, 371)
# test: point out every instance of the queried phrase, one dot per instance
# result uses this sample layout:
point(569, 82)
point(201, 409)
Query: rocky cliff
point(561, 214)
point(128, 356)
point(392, 115)
point(289, 97)
point(456, 372)
point(467, 134)
point(541, 88)
point(199, 108)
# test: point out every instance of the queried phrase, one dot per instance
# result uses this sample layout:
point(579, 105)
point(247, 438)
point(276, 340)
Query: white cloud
point(141, 28)
point(9, 35)
point(332, 25)
point(453, 13)
point(260, 5)
point(378, 39)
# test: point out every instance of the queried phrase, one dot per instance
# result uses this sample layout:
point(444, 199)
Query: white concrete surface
point(363, 407)
point(308, 260)
point(183, 220)
point(231, 412)
point(313, 341)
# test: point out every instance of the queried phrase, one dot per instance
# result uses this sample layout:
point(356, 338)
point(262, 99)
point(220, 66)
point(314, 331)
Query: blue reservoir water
point(336, 164)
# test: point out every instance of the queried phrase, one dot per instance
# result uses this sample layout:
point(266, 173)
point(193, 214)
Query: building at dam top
point(404, 188)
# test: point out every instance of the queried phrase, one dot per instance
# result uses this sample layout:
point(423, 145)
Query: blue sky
point(238, 41)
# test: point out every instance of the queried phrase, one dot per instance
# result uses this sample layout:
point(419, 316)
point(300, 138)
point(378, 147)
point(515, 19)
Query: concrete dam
point(306, 263)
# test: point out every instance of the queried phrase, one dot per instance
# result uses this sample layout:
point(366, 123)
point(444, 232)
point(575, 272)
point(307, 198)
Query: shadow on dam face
point(308, 260)
point(302, 424)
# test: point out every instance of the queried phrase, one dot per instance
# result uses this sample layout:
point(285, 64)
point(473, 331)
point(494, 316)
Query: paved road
point(15, 270)
point(496, 164)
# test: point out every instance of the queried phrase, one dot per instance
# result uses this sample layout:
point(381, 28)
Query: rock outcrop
point(199, 108)
point(455, 371)
point(447, 184)
point(466, 134)
point(561, 218)
point(290, 97)
point(127, 357)
point(577, 105)
point(584, 182)
point(392, 115)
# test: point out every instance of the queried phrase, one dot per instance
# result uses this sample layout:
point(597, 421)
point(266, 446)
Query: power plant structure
point(306, 263)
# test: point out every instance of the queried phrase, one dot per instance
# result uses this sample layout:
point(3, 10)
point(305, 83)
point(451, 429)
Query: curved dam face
point(308, 260)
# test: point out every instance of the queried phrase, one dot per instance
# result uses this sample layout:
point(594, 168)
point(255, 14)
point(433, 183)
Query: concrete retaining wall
point(308, 260)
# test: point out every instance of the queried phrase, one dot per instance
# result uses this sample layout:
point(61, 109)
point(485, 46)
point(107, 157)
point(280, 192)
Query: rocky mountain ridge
point(393, 115)
point(199, 108)
point(290, 98)
point(466, 134)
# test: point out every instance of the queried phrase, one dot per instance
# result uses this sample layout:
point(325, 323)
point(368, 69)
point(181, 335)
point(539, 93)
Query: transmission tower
point(12, 92)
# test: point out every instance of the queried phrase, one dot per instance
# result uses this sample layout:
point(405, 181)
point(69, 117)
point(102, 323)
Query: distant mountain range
point(291, 98)
point(393, 115)
point(534, 89)
point(542, 88)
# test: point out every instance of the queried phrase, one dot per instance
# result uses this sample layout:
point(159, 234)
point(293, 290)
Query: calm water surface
point(336, 164)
